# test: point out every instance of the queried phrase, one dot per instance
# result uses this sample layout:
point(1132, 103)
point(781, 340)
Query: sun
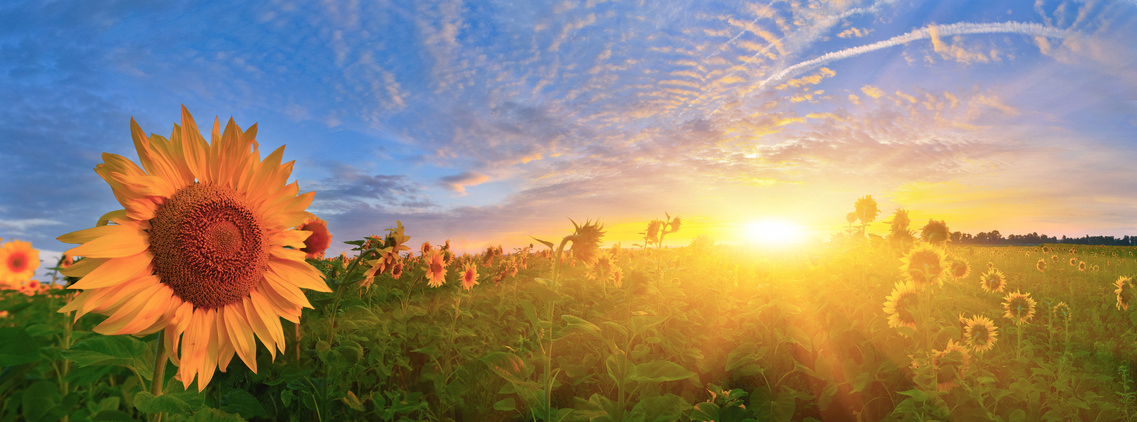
point(774, 232)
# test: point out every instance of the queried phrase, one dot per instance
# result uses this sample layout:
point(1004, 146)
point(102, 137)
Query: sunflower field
point(214, 257)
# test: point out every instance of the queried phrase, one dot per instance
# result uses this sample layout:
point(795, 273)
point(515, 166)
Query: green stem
point(549, 317)
point(159, 371)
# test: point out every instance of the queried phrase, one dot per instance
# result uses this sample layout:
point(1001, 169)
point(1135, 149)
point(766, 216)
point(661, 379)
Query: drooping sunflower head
point(901, 305)
point(1124, 292)
point(469, 275)
point(319, 240)
point(1061, 310)
point(924, 265)
point(1019, 307)
point(202, 250)
point(1041, 265)
point(865, 209)
point(993, 281)
point(960, 269)
point(935, 232)
point(950, 364)
point(435, 269)
point(18, 263)
point(586, 241)
point(980, 333)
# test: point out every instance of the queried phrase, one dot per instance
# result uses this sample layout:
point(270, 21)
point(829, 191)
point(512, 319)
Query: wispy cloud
point(963, 28)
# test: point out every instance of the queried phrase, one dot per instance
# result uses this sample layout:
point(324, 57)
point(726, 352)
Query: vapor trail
point(962, 28)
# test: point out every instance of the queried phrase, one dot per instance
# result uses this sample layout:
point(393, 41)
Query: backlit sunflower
point(959, 269)
point(469, 275)
point(901, 305)
point(993, 281)
point(950, 364)
point(18, 263)
point(980, 333)
point(923, 265)
point(203, 250)
point(319, 240)
point(435, 269)
point(1020, 307)
point(1124, 292)
point(1041, 265)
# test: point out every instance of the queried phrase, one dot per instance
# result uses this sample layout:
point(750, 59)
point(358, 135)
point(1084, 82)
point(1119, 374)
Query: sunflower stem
point(159, 371)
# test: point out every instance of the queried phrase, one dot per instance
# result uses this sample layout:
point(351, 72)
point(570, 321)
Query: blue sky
point(487, 122)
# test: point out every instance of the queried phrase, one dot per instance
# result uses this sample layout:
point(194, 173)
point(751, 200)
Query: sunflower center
point(209, 245)
point(17, 263)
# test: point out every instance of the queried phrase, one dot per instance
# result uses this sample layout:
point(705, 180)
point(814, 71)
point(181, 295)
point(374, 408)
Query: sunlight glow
point(774, 232)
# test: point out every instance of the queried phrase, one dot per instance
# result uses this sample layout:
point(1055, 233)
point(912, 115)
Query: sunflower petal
point(82, 267)
point(240, 334)
point(114, 271)
point(300, 274)
point(116, 241)
point(260, 328)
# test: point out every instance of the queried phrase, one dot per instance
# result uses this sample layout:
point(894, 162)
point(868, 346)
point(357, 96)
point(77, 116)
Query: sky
point(487, 122)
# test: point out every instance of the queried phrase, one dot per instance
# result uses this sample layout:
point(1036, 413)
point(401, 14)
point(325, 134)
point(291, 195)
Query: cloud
point(459, 182)
point(350, 188)
point(872, 91)
point(963, 28)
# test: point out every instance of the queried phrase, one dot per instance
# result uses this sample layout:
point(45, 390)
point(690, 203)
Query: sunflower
point(1124, 292)
point(950, 364)
point(1020, 307)
point(959, 269)
point(1081, 265)
point(586, 241)
point(397, 270)
point(923, 265)
point(617, 277)
point(18, 263)
point(1073, 262)
point(901, 305)
point(425, 249)
point(1041, 265)
point(202, 250)
point(1061, 309)
point(319, 240)
point(993, 281)
point(935, 232)
point(1045, 249)
point(469, 276)
point(435, 269)
point(981, 333)
point(1054, 258)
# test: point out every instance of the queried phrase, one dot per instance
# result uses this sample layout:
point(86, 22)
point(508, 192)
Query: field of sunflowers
point(842, 331)
point(213, 257)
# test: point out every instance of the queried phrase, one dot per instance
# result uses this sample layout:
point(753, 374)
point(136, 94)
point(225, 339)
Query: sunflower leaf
point(123, 351)
point(17, 347)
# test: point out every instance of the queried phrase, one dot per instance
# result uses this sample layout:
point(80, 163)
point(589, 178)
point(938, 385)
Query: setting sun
point(774, 232)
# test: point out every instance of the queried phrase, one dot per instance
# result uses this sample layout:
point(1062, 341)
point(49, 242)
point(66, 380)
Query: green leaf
point(1017, 415)
point(665, 408)
point(243, 403)
point(215, 415)
point(112, 416)
point(642, 322)
point(39, 398)
point(544, 294)
point(580, 324)
point(827, 396)
point(705, 412)
point(862, 380)
point(17, 347)
point(660, 370)
point(616, 326)
point(745, 354)
point(505, 404)
point(166, 403)
point(125, 351)
point(544, 242)
point(509, 366)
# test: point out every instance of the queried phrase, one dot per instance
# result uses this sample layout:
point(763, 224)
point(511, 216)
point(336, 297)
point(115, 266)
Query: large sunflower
point(469, 275)
point(1019, 307)
point(981, 333)
point(951, 364)
point(18, 263)
point(1124, 292)
point(435, 269)
point(901, 305)
point(993, 281)
point(203, 249)
point(925, 264)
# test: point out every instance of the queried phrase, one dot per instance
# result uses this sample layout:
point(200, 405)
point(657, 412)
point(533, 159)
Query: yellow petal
point(261, 324)
point(116, 241)
point(82, 267)
point(240, 334)
point(299, 273)
point(114, 271)
point(284, 289)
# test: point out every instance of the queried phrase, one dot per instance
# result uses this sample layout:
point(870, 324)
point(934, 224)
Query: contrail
point(963, 28)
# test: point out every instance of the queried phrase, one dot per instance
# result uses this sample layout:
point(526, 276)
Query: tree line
point(993, 237)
